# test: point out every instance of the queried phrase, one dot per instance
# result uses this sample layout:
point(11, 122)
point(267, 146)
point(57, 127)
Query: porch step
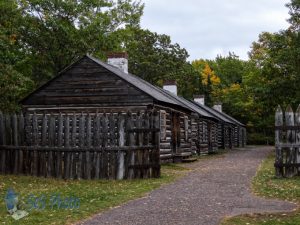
point(181, 156)
point(189, 160)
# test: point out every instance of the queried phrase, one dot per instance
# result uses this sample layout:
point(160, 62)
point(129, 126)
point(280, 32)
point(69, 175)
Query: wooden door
point(175, 132)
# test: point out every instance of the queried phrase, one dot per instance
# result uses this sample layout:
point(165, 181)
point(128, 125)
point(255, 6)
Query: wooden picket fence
point(287, 142)
point(81, 146)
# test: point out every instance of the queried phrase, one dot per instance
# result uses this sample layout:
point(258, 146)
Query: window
point(163, 124)
point(186, 128)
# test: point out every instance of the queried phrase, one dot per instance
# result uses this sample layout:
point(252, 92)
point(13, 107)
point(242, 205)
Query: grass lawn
point(266, 185)
point(94, 196)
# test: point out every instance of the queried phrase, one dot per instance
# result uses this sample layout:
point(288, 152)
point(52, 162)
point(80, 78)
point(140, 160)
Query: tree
point(13, 83)
point(209, 79)
point(230, 69)
point(40, 37)
point(55, 33)
point(155, 58)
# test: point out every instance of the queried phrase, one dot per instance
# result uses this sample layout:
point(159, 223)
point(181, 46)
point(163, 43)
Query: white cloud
point(207, 28)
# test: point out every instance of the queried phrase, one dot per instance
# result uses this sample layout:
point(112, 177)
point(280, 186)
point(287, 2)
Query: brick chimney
point(218, 107)
point(171, 86)
point(119, 60)
point(199, 99)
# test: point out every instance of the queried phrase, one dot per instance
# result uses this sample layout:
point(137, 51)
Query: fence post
point(2, 142)
point(278, 142)
point(290, 157)
point(88, 161)
point(21, 128)
point(131, 142)
point(35, 143)
point(97, 127)
point(156, 144)
point(121, 169)
point(67, 154)
point(297, 137)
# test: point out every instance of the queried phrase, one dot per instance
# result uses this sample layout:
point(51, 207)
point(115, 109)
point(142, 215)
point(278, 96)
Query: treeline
point(41, 37)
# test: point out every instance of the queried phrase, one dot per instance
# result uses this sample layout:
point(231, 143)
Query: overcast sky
point(207, 28)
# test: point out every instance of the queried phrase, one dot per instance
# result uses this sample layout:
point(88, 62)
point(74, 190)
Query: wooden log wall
point(213, 136)
point(287, 142)
point(185, 135)
point(221, 136)
point(85, 146)
point(166, 135)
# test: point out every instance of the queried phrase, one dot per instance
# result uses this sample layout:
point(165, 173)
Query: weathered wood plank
point(278, 141)
point(35, 143)
point(67, 155)
point(290, 158)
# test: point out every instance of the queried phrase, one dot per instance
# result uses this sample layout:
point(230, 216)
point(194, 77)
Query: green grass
point(95, 196)
point(266, 185)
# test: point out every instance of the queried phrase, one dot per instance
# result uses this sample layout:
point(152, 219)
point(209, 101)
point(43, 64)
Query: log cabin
point(225, 127)
point(90, 86)
point(239, 135)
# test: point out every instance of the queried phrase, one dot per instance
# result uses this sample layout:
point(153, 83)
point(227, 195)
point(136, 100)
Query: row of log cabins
point(90, 86)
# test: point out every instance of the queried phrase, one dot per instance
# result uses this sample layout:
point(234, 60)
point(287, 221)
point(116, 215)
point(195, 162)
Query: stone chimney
point(199, 99)
point(218, 107)
point(119, 60)
point(171, 86)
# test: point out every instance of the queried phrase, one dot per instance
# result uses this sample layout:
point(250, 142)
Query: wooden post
point(97, 127)
point(35, 131)
point(146, 160)
point(121, 169)
point(278, 142)
point(43, 163)
point(73, 144)
point(297, 137)
point(131, 142)
point(67, 155)
point(139, 153)
point(21, 128)
point(15, 132)
point(81, 144)
point(89, 144)
point(104, 153)
point(157, 144)
point(113, 142)
point(28, 140)
point(50, 163)
point(60, 142)
point(290, 158)
point(2, 142)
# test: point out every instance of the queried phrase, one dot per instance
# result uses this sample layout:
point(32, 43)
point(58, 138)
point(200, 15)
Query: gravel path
point(215, 188)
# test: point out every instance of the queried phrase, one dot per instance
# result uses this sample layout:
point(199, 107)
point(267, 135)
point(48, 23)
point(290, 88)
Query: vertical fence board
point(131, 142)
point(35, 143)
point(69, 147)
point(50, 164)
point(112, 154)
point(104, 154)
point(73, 144)
point(81, 145)
point(89, 144)
point(21, 128)
point(297, 137)
point(121, 169)
point(43, 159)
point(67, 154)
point(2, 142)
point(278, 141)
point(290, 158)
point(97, 128)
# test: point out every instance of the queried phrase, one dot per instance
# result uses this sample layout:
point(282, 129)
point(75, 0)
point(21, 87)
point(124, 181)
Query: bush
point(259, 139)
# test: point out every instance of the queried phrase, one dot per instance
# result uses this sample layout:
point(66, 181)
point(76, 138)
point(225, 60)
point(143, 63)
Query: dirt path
point(214, 189)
